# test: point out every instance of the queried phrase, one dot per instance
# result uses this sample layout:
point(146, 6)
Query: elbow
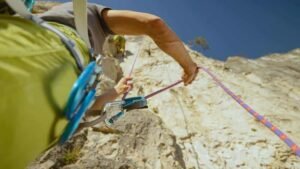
point(156, 26)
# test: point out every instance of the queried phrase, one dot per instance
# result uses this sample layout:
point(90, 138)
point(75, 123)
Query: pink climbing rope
point(163, 89)
point(294, 147)
point(131, 70)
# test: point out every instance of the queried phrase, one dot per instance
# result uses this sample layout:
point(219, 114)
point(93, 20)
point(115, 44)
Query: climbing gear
point(132, 67)
point(29, 4)
point(37, 72)
point(163, 89)
point(74, 112)
point(80, 14)
point(82, 97)
point(115, 110)
point(81, 20)
point(294, 147)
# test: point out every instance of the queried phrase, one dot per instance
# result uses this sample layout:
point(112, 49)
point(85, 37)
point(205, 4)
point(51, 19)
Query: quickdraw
point(81, 99)
point(112, 115)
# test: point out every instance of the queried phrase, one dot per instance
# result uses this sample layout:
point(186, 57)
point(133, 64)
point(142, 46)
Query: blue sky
point(249, 28)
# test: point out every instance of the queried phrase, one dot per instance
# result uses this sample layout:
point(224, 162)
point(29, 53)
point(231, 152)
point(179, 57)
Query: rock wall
point(198, 126)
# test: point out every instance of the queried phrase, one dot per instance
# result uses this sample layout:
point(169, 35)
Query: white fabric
point(81, 19)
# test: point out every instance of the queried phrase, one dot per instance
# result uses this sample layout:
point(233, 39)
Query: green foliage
point(200, 41)
point(71, 156)
point(41, 7)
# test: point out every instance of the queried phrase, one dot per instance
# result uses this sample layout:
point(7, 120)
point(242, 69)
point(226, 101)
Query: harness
point(83, 92)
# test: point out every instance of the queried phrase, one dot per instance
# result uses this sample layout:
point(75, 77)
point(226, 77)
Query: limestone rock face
point(197, 126)
point(140, 140)
point(212, 130)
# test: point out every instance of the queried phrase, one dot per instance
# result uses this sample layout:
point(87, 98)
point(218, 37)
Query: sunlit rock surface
point(198, 126)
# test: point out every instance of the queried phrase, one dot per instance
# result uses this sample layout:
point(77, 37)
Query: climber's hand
point(124, 85)
point(190, 73)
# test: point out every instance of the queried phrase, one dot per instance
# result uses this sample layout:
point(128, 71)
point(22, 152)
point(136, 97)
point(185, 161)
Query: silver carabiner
point(114, 111)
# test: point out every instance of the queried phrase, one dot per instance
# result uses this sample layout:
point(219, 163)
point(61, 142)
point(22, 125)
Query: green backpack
point(37, 73)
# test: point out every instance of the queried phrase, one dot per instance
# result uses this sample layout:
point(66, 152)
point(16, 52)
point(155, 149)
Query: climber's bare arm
point(136, 23)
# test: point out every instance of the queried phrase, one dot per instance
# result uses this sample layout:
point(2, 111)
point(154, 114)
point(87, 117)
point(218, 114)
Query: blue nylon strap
point(74, 122)
point(79, 89)
point(82, 96)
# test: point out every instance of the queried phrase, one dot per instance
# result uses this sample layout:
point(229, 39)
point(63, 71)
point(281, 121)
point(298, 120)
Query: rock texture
point(140, 140)
point(198, 126)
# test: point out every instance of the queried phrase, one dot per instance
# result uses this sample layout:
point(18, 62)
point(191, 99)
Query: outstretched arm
point(136, 23)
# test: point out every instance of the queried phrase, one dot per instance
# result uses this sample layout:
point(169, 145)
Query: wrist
point(186, 61)
point(116, 91)
point(189, 66)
